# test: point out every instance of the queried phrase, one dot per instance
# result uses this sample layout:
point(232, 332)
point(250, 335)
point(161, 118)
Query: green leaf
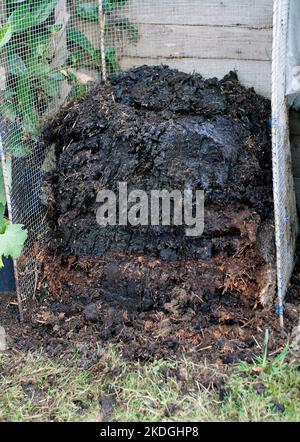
point(38, 46)
point(111, 60)
point(43, 70)
point(74, 58)
point(53, 29)
point(5, 34)
point(12, 240)
point(16, 65)
point(97, 56)
point(27, 15)
point(13, 2)
point(39, 69)
point(2, 187)
point(76, 37)
point(42, 9)
point(2, 211)
point(17, 147)
point(133, 31)
point(25, 103)
point(50, 86)
point(4, 225)
point(56, 75)
point(112, 5)
point(21, 18)
point(89, 11)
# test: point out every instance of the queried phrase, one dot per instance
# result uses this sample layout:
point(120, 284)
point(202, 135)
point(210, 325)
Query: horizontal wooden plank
point(201, 42)
point(253, 13)
point(255, 74)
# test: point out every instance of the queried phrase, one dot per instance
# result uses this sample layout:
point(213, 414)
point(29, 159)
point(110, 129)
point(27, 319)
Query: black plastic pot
point(7, 279)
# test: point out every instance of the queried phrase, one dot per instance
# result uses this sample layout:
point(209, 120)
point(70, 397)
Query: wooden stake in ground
point(102, 38)
point(8, 204)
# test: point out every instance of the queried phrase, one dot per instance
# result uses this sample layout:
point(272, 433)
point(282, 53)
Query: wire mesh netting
point(52, 50)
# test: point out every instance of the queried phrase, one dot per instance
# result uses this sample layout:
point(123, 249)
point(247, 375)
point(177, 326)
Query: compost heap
point(158, 128)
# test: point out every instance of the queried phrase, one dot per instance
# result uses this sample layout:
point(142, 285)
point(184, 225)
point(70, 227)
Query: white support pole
point(283, 186)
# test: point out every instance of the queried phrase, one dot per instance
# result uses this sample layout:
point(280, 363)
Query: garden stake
point(102, 37)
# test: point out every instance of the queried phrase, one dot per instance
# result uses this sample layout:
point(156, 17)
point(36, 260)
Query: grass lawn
point(34, 387)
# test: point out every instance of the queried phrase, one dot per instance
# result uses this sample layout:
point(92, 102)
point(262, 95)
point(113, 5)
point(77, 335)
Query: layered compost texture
point(158, 128)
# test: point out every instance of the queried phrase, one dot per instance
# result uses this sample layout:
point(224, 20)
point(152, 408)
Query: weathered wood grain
point(201, 42)
point(252, 13)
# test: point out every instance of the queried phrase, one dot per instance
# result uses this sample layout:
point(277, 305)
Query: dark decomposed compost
point(154, 286)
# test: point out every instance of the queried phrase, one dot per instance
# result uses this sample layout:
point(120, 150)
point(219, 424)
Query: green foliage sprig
point(27, 39)
point(12, 236)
